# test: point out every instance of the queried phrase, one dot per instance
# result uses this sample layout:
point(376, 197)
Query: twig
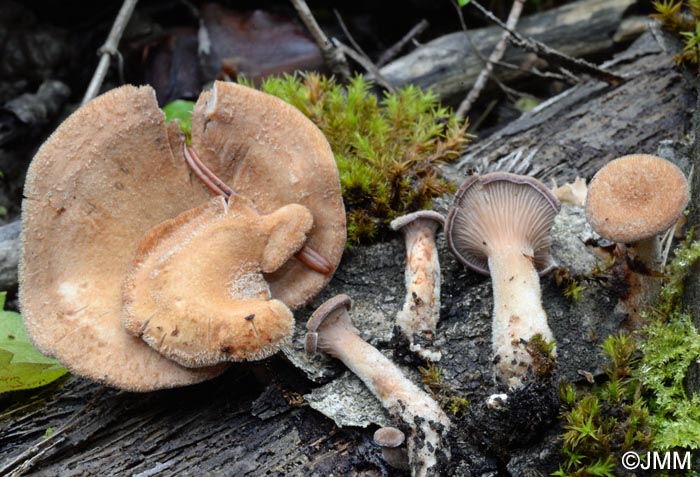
point(396, 48)
point(333, 55)
point(567, 78)
point(552, 55)
point(496, 55)
point(109, 49)
point(367, 64)
point(360, 56)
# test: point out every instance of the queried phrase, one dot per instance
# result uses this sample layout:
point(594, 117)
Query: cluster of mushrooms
point(148, 263)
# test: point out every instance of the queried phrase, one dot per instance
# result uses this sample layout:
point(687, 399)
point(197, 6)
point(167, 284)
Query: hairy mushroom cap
point(269, 152)
point(196, 291)
point(112, 171)
point(501, 209)
point(108, 174)
point(636, 197)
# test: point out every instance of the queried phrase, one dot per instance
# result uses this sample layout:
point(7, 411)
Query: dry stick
point(396, 48)
point(360, 56)
point(109, 49)
point(552, 55)
point(332, 53)
point(496, 55)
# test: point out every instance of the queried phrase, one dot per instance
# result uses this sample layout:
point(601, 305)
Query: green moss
point(682, 18)
point(449, 400)
point(603, 423)
point(387, 149)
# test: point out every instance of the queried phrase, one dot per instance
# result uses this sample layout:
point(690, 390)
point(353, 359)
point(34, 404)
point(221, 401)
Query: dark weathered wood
point(448, 65)
point(200, 430)
point(580, 130)
point(9, 254)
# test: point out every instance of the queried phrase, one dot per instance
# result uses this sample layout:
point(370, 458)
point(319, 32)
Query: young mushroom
point(330, 330)
point(196, 292)
point(418, 318)
point(499, 224)
point(633, 200)
point(390, 439)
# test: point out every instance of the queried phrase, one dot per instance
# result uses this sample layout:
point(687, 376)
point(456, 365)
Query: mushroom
point(633, 200)
point(499, 224)
point(268, 151)
point(196, 292)
point(390, 440)
point(113, 171)
point(330, 329)
point(418, 318)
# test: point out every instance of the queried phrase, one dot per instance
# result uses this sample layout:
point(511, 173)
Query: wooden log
point(9, 254)
point(449, 66)
point(580, 130)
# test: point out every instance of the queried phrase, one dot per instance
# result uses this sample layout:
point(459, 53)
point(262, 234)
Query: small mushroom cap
point(196, 292)
point(636, 197)
point(269, 152)
point(389, 437)
point(497, 210)
point(400, 222)
point(328, 309)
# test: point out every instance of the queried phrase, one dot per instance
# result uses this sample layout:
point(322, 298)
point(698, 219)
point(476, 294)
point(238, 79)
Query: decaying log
point(449, 67)
point(577, 132)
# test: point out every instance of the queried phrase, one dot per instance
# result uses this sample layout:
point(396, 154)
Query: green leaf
point(21, 366)
point(182, 111)
point(463, 3)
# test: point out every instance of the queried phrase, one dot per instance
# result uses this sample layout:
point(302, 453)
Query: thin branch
point(335, 59)
point(109, 49)
point(552, 55)
point(360, 56)
point(367, 64)
point(496, 55)
point(567, 78)
point(396, 48)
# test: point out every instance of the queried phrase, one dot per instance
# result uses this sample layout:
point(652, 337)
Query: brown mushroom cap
point(499, 209)
point(112, 171)
point(108, 174)
point(269, 152)
point(196, 292)
point(389, 437)
point(636, 197)
point(400, 222)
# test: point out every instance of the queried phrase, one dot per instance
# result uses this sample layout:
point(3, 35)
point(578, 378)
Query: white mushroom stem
point(648, 252)
point(419, 316)
point(517, 313)
point(643, 289)
point(428, 424)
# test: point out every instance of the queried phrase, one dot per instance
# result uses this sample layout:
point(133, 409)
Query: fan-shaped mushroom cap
point(635, 197)
point(269, 152)
point(500, 209)
point(108, 174)
point(196, 292)
point(112, 171)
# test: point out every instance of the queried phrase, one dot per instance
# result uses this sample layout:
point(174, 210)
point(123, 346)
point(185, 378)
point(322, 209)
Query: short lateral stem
point(517, 312)
point(404, 400)
point(419, 316)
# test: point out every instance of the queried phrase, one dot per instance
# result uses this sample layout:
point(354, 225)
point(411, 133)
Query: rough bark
point(449, 66)
point(577, 132)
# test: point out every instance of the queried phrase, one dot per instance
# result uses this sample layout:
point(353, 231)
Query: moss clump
point(682, 18)
point(670, 345)
point(387, 150)
point(453, 403)
point(600, 426)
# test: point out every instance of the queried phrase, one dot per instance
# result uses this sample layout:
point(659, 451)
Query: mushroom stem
point(306, 255)
point(428, 424)
point(419, 316)
point(517, 313)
